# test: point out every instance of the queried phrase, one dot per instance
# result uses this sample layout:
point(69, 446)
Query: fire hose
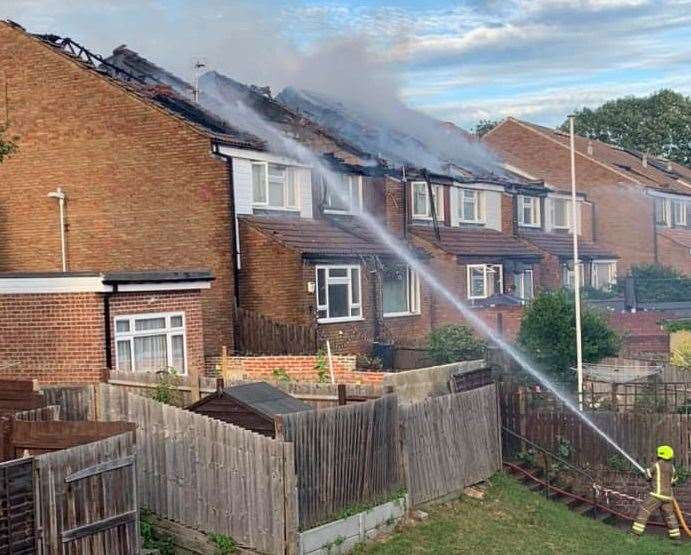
point(680, 517)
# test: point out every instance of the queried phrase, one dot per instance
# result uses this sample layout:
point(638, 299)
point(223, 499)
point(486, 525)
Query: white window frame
point(354, 193)
point(666, 211)
point(348, 280)
point(487, 269)
point(479, 212)
point(437, 193)
point(534, 204)
point(412, 295)
point(286, 179)
point(168, 331)
point(567, 204)
point(682, 220)
point(612, 271)
point(519, 277)
point(567, 275)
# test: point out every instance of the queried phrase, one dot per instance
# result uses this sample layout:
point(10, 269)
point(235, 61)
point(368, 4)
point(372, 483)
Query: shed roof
point(266, 399)
point(561, 244)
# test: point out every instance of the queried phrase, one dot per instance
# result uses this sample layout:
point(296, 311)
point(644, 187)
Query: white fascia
point(57, 284)
point(259, 156)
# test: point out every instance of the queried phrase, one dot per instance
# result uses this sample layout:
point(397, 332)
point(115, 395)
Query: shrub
point(166, 390)
point(548, 334)
point(681, 356)
point(453, 343)
point(656, 283)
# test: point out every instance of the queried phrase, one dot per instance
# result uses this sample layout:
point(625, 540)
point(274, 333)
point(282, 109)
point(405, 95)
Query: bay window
point(662, 211)
point(524, 284)
point(422, 207)
point(348, 197)
point(679, 212)
point(273, 186)
point(603, 274)
point(561, 213)
point(401, 290)
point(484, 280)
point(338, 293)
point(470, 206)
point(568, 275)
point(529, 211)
point(151, 342)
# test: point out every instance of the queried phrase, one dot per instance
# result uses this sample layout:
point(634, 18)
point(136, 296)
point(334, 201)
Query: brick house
point(639, 204)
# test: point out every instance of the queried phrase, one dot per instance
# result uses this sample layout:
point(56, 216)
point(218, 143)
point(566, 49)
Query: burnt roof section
point(317, 237)
point(561, 244)
point(474, 242)
point(157, 276)
point(266, 399)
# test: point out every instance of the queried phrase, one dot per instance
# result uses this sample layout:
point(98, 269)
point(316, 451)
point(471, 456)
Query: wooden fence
point(76, 402)
point(450, 442)
point(17, 395)
point(344, 456)
point(256, 334)
point(17, 520)
point(210, 475)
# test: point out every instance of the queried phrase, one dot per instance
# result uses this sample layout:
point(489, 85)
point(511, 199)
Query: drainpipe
point(405, 203)
point(655, 255)
point(107, 326)
point(60, 195)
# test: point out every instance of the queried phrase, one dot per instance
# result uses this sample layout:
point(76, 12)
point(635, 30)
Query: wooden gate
point(17, 523)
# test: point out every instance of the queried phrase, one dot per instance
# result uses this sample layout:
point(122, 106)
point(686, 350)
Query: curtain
point(150, 353)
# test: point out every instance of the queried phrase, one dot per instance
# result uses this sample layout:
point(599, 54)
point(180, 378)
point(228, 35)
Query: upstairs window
point(529, 211)
point(338, 293)
point(561, 213)
point(604, 274)
point(150, 342)
point(348, 198)
point(401, 291)
point(422, 207)
point(662, 211)
point(470, 206)
point(679, 212)
point(273, 186)
point(485, 280)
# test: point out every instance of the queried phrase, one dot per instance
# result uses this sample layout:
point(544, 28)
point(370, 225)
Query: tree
point(659, 124)
point(485, 125)
point(453, 343)
point(655, 283)
point(548, 334)
point(7, 146)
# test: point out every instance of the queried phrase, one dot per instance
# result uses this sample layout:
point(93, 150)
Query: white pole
point(576, 267)
point(331, 363)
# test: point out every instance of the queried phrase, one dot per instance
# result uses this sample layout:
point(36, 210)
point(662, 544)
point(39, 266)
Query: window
point(422, 208)
point(484, 280)
point(603, 274)
point(338, 293)
point(349, 196)
point(662, 211)
point(524, 284)
point(529, 211)
point(561, 213)
point(401, 291)
point(679, 212)
point(567, 277)
point(273, 186)
point(470, 206)
point(151, 342)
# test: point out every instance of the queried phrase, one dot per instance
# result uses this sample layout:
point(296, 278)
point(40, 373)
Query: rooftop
point(266, 399)
point(561, 244)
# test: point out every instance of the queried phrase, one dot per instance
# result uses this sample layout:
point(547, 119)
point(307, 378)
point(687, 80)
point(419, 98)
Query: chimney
point(590, 147)
point(644, 160)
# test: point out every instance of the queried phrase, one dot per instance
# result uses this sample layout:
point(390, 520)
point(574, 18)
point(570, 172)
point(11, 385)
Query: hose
point(680, 517)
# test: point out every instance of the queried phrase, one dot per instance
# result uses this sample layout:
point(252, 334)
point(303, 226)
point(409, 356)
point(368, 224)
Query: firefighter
point(663, 476)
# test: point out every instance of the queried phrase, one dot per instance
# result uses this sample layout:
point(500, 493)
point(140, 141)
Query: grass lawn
point(510, 519)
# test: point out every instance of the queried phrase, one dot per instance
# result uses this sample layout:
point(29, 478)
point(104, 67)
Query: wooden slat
point(100, 468)
point(98, 526)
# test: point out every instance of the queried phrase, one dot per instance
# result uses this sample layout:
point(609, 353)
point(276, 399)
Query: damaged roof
point(476, 242)
point(561, 244)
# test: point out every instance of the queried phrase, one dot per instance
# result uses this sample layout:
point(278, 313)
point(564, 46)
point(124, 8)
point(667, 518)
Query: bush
point(454, 343)
point(548, 334)
point(681, 356)
point(656, 283)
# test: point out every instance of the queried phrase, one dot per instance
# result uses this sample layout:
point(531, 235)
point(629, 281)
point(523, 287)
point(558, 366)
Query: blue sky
point(458, 61)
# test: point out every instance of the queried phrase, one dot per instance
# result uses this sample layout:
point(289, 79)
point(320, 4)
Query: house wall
point(143, 189)
point(55, 338)
point(673, 254)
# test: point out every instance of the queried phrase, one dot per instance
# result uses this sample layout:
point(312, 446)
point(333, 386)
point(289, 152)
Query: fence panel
point(256, 334)
point(17, 520)
point(88, 498)
point(344, 456)
point(207, 474)
point(450, 442)
point(77, 402)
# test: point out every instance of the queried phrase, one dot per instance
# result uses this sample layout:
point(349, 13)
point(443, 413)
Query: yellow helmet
point(665, 452)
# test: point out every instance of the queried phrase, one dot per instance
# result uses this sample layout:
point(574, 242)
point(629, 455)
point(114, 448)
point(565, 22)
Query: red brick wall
point(189, 302)
point(55, 338)
point(507, 213)
point(641, 332)
point(143, 189)
point(673, 254)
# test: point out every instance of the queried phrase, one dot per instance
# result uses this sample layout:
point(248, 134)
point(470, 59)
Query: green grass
point(511, 519)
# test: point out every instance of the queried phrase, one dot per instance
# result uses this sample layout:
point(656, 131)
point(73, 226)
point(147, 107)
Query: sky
point(458, 61)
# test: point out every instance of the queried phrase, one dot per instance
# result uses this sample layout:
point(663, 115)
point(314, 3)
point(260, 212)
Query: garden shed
point(253, 406)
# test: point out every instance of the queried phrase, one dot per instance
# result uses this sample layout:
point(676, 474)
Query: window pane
point(338, 272)
point(469, 206)
point(338, 301)
point(176, 321)
point(259, 183)
point(291, 188)
point(178, 347)
point(321, 287)
point(124, 356)
point(122, 325)
point(601, 274)
point(150, 353)
point(560, 213)
point(477, 282)
point(144, 324)
point(420, 199)
point(276, 194)
point(338, 193)
point(355, 285)
point(528, 284)
point(395, 289)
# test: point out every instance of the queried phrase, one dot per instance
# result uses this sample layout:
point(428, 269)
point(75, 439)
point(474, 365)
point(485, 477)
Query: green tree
point(659, 124)
point(485, 125)
point(7, 146)
point(548, 334)
point(655, 283)
point(453, 343)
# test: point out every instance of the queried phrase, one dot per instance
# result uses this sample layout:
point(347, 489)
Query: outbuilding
point(253, 406)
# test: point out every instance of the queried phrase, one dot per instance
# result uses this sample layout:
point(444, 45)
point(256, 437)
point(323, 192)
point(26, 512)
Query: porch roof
point(561, 244)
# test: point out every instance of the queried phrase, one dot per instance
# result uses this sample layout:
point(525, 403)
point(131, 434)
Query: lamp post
point(576, 267)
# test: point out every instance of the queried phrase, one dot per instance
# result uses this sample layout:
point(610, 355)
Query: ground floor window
point(151, 342)
point(338, 293)
point(603, 274)
point(523, 282)
point(567, 277)
point(485, 280)
point(401, 290)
